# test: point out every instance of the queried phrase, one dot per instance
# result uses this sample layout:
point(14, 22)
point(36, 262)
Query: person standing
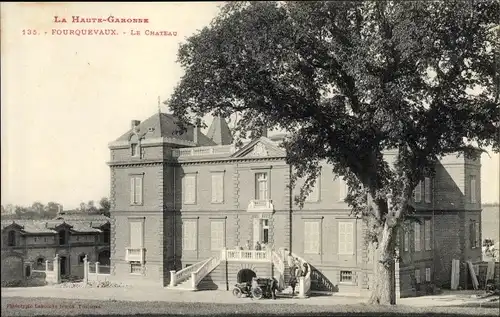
point(249, 245)
point(258, 246)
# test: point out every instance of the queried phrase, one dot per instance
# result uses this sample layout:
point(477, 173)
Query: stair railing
point(280, 266)
point(206, 268)
point(184, 274)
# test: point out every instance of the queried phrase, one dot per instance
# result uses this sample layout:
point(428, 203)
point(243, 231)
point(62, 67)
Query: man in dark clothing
point(305, 270)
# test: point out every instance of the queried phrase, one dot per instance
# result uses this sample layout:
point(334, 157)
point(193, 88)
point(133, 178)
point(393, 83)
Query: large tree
point(349, 81)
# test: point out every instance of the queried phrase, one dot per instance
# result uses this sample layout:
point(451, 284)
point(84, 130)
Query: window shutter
point(349, 237)
point(217, 235)
point(427, 234)
point(418, 193)
point(217, 187)
point(132, 190)
point(190, 235)
point(472, 232)
point(189, 189)
point(342, 239)
point(136, 234)
point(138, 190)
point(417, 236)
point(477, 235)
point(427, 190)
point(315, 230)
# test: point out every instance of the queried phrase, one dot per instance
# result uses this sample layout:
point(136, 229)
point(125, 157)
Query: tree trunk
point(383, 291)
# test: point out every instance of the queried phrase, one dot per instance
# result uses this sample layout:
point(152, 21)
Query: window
point(11, 241)
point(217, 187)
point(417, 193)
point(81, 258)
point(265, 230)
point(427, 187)
point(77, 238)
point(346, 277)
point(106, 236)
point(311, 237)
point(189, 229)
point(261, 186)
point(427, 274)
point(343, 189)
point(135, 147)
point(427, 234)
point(35, 239)
point(473, 189)
point(62, 237)
point(136, 190)
point(135, 267)
point(407, 240)
point(44, 239)
point(40, 264)
point(417, 236)
point(217, 235)
point(417, 276)
point(346, 235)
point(315, 190)
point(190, 189)
point(136, 235)
point(475, 234)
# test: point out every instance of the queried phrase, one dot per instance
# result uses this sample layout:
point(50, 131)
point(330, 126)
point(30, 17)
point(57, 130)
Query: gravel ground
point(22, 306)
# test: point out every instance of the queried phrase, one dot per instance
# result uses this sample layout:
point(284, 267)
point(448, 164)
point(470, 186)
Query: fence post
point(172, 278)
point(223, 254)
point(46, 266)
point(57, 271)
point(96, 268)
point(85, 270)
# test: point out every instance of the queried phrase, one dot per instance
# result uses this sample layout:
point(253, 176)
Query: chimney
point(196, 130)
point(135, 123)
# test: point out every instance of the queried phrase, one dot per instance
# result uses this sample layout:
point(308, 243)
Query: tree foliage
point(350, 81)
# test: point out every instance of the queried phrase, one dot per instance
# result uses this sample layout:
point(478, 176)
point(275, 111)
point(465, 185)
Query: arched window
point(62, 237)
point(40, 263)
point(135, 147)
point(81, 258)
point(11, 241)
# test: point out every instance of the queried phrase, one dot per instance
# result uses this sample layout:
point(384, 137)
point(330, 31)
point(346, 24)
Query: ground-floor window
point(345, 276)
point(135, 267)
point(427, 274)
point(417, 276)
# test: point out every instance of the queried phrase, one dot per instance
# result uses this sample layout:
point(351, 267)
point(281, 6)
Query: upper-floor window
point(11, 241)
point(417, 193)
point(136, 233)
point(135, 148)
point(62, 237)
point(136, 190)
point(427, 186)
point(261, 186)
point(189, 181)
point(218, 187)
point(473, 191)
point(315, 190)
point(217, 237)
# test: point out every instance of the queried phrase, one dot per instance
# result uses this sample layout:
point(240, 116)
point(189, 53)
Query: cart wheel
point(257, 293)
point(237, 292)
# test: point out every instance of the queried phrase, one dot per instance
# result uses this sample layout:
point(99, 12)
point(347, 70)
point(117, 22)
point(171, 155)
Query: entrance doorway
point(261, 231)
point(62, 265)
point(245, 276)
point(104, 257)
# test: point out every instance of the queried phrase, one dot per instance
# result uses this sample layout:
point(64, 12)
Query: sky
point(64, 98)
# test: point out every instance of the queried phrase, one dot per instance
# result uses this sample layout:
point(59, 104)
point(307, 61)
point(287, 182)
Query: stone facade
point(153, 152)
point(28, 244)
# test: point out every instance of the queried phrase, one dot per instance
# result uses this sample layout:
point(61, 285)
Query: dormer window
point(135, 148)
point(11, 241)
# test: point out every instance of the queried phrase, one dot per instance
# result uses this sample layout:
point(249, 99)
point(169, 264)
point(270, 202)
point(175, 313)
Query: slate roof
point(78, 223)
point(163, 125)
point(219, 131)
